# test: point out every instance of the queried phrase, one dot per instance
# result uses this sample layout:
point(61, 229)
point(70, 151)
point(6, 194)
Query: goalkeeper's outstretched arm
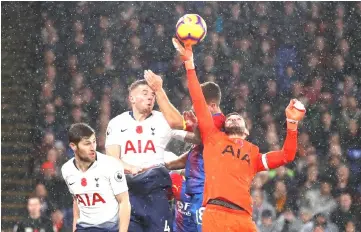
point(295, 111)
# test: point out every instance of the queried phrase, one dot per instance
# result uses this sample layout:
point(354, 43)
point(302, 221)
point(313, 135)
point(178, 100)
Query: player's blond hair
point(137, 83)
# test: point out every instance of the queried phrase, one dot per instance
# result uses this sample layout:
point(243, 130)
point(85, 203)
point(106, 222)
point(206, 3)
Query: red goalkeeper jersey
point(230, 164)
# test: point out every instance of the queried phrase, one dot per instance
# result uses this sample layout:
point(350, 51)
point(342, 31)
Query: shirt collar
point(132, 115)
point(96, 159)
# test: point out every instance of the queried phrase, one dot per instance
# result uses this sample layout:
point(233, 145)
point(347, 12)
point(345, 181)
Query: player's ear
point(73, 146)
point(131, 99)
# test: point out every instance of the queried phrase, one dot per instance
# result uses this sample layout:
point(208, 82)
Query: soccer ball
point(191, 29)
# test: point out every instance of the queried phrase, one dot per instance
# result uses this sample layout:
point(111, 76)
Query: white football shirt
point(142, 143)
point(95, 191)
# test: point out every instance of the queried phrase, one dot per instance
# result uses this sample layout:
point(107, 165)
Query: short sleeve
point(66, 179)
point(113, 136)
point(117, 178)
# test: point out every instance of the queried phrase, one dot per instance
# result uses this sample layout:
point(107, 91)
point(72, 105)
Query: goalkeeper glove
point(295, 112)
point(185, 52)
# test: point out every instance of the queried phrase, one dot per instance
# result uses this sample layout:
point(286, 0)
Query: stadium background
point(72, 62)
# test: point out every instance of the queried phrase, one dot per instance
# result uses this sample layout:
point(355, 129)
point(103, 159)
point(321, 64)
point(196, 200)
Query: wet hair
point(211, 92)
point(233, 113)
point(78, 131)
point(137, 83)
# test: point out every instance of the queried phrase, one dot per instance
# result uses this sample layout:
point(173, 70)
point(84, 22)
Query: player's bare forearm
point(193, 137)
point(114, 150)
point(178, 163)
point(124, 211)
point(205, 120)
point(171, 114)
point(275, 159)
point(75, 213)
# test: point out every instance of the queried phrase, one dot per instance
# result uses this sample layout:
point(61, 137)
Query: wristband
point(184, 125)
point(189, 64)
point(292, 121)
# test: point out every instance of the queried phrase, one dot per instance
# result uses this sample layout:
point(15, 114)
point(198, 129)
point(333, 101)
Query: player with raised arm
point(98, 184)
point(185, 212)
point(230, 162)
point(139, 137)
point(192, 160)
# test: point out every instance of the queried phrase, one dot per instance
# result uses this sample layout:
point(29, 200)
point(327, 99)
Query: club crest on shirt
point(109, 131)
point(118, 176)
point(153, 130)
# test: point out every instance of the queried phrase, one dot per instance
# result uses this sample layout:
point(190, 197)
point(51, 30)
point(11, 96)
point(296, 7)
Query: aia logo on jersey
point(89, 199)
point(139, 147)
point(236, 153)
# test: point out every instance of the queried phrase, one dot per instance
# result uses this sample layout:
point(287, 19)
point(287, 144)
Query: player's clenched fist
point(295, 112)
point(154, 81)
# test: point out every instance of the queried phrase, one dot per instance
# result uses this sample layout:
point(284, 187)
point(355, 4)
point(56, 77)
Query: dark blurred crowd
point(262, 54)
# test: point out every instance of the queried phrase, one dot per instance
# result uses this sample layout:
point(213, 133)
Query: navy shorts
point(148, 193)
point(93, 229)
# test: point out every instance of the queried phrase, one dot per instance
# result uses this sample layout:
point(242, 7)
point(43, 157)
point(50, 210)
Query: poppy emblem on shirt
point(139, 129)
point(83, 182)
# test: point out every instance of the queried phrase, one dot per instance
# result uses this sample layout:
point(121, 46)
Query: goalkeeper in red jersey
point(230, 162)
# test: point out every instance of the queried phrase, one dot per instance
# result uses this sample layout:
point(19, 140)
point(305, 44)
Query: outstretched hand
point(154, 81)
point(295, 110)
point(186, 53)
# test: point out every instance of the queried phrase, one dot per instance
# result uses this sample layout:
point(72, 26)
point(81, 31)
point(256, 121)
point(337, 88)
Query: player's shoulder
point(68, 167)
point(157, 114)
point(252, 146)
point(107, 161)
point(120, 118)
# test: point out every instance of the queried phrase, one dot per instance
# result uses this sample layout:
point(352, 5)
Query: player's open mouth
point(92, 154)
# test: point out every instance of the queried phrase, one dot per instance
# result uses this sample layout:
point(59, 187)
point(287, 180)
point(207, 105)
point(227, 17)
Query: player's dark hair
point(137, 83)
point(78, 131)
point(211, 92)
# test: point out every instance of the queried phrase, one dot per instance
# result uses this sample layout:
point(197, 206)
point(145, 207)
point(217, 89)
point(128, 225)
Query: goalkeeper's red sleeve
point(275, 159)
point(205, 120)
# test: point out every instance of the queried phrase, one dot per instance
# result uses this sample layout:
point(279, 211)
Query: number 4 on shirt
point(166, 226)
